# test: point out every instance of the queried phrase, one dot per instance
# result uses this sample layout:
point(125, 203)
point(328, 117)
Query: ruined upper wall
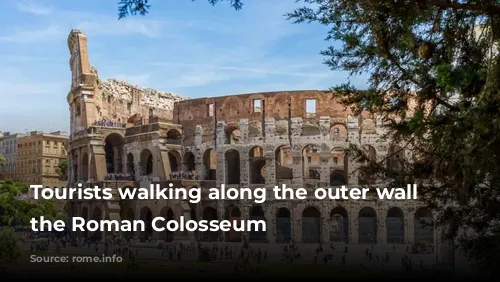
point(93, 99)
point(282, 106)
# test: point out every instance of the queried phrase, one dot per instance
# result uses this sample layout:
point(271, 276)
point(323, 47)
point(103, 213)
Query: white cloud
point(27, 36)
point(33, 8)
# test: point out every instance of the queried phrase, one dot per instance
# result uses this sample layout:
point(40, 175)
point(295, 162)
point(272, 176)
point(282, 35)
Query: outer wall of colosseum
point(295, 138)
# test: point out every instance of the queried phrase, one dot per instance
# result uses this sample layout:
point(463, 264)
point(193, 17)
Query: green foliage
point(434, 79)
point(2, 160)
point(62, 169)
point(17, 212)
point(141, 7)
point(10, 248)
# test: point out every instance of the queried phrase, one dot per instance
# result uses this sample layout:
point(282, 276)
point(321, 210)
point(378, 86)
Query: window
point(210, 110)
point(257, 106)
point(129, 106)
point(335, 160)
point(336, 132)
point(310, 107)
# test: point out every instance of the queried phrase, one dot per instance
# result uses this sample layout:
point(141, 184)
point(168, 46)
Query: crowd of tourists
point(190, 175)
point(120, 176)
point(108, 123)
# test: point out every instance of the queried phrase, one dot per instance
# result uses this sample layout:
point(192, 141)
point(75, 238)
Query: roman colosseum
point(127, 136)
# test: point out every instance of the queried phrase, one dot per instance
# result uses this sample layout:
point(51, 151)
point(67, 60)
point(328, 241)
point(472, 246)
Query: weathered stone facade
point(295, 138)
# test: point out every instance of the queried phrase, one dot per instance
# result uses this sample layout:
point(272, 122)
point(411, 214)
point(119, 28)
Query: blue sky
point(189, 48)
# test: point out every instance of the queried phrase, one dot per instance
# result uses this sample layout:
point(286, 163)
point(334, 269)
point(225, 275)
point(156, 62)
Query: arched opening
point(168, 214)
point(371, 156)
point(174, 159)
point(311, 225)
point(147, 218)
point(146, 163)
point(233, 214)
point(283, 226)
point(395, 158)
point(210, 214)
point(113, 148)
point(257, 213)
point(127, 213)
point(130, 164)
point(339, 225)
point(174, 137)
point(85, 167)
point(233, 136)
point(85, 215)
point(338, 167)
point(257, 163)
point(210, 164)
point(97, 215)
point(424, 226)
point(232, 167)
point(367, 221)
point(395, 226)
point(189, 162)
point(311, 162)
point(284, 163)
point(338, 132)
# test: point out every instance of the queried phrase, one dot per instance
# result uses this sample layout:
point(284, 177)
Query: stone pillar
point(221, 133)
point(298, 177)
point(325, 169)
point(325, 226)
point(271, 223)
point(222, 215)
point(270, 167)
point(137, 216)
point(353, 225)
point(245, 214)
point(352, 172)
point(137, 166)
point(410, 226)
point(243, 127)
point(244, 168)
point(382, 226)
point(270, 129)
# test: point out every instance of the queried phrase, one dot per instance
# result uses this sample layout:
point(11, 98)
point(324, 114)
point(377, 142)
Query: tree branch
point(483, 8)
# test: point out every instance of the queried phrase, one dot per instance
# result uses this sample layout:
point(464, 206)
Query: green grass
point(23, 268)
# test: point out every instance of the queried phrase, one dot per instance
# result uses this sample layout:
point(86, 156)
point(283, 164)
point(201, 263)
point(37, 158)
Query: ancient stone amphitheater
point(127, 136)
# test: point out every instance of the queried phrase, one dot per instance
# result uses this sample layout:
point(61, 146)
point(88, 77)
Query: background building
point(8, 149)
point(38, 156)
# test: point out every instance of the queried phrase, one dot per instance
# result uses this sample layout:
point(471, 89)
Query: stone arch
point(210, 214)
point(339, 225)
point(257, 213)
point(175, 160)
point(338, 132)
point(210, 164)
point(233, 134)
point(127, 213)
point(147, 218)
point(113, 148)
point(338, 167)
point(395, 158)
point(97, 215)
point(371, 157)
point(168, 214)
point(284, 162)
point(311, 162)
point(189, 162)
point(424, 225)
point(311, 225)
point(147, 163)
point(174, 136)
point(367, 225)
point(256, 164)
point(130, 163)
point(85, 167)
point(283, 225)
point(232, 157)
point(395, 226)
point(233, 213)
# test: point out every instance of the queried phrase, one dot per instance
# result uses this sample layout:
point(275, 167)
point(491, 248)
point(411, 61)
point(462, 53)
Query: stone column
point(137, 166)
point(298, 177)
point(244, 168)
point(382, 226)
point(325, 169)
point(245, 214)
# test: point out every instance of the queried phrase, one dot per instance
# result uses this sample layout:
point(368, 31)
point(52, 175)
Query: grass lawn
point(24, 269)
